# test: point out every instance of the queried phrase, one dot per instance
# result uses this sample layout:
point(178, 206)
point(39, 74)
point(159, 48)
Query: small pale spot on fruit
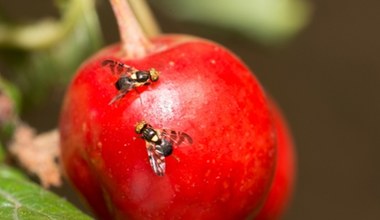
point(99, 145)
point(139, 188)
point(177, 188)
point(241, 188)
point(247, 157)
point(84, 127)
point(212, 61)
point(207, 173)
point(250, 192)
point(225, 197)
point(171, 63)
point(225, 185)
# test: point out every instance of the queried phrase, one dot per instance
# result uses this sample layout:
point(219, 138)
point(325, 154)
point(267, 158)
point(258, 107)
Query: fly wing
point(118, 67)
point(156, 159)
point(122, 93)
point(176, 137)
point(117, 97)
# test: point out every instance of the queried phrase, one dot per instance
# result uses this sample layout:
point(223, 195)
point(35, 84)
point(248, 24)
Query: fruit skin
point(284, 178)
point(203, 90)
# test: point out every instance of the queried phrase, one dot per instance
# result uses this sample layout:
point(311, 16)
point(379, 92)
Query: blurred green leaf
point(47, 32)
point(2, 153)
point(12, 92)
point(22, 199)
point(267, 21)
point(41, 57)
point(10, 102)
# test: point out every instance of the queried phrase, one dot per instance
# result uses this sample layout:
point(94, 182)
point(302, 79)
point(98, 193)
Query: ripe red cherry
point(203, 90)
point(283, 181)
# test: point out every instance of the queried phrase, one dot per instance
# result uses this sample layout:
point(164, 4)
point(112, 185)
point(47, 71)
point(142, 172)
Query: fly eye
point(154, 74)
point(139, 127)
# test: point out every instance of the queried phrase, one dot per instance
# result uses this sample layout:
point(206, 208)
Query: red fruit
point(203, 90)
point(283, 182)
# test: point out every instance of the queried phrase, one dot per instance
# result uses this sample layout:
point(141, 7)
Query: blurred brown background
point(327, 82)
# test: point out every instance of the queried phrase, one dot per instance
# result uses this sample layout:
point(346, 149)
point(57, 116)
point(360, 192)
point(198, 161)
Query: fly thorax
point(150, 135)
point(141, 76)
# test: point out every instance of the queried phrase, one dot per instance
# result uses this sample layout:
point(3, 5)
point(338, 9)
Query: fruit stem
point(134, 42)
point(145, 17)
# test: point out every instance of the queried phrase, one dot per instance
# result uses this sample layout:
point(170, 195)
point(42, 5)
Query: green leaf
point(22, 199)
point(267, 21)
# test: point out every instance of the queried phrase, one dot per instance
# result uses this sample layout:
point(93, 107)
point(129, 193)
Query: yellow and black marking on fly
point(129, 77)
point(160, 143)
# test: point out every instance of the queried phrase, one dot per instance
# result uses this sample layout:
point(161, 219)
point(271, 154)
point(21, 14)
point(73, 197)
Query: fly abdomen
point(165, 147)
point(123, 83)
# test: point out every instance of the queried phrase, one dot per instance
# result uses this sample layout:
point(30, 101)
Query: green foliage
point(8, 119)
point(266, 21)
point(22, 199)
point(42, 56)
point(2, 153)
point(12, 92)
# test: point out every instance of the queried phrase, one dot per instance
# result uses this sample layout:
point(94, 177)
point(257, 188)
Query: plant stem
point(134, 42)
point(145, 17)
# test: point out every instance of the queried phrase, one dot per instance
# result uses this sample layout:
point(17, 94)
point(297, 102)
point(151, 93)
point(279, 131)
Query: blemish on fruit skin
point(212, 61)
point(225, 185)
point(84, 127)
point(247, 157)
point(216, 48)
point(139, 191)
point(225, 197)
point(171, 63)
point(207, 173)
point(177, 188)
point(99, 146)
